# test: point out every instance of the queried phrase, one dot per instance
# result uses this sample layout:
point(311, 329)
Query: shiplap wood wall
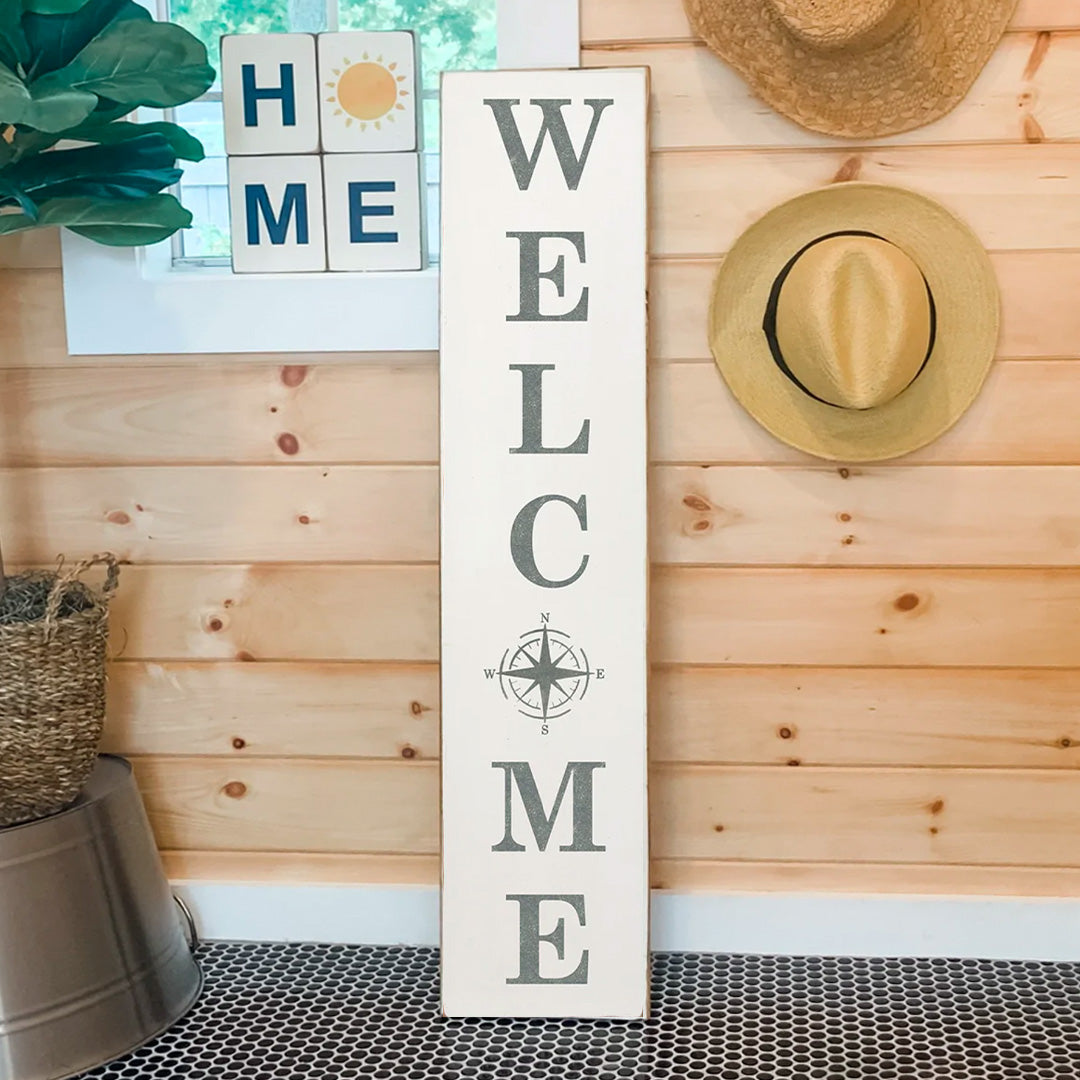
point(866, 678)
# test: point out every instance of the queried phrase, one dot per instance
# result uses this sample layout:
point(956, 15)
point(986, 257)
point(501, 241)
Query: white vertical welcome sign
point(544, 562)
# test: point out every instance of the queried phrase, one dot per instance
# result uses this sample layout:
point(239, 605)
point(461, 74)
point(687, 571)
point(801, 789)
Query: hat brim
point(965, 292)
point(911, 78)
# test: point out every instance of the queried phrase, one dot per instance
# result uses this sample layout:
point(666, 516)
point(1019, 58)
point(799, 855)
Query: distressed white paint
point(358, 71)
point(488, 604)
point(368, 228)
point(285, 229)
point(793, 924)
point(276, 59)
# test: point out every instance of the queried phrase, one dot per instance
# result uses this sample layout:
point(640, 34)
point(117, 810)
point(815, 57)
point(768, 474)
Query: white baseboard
point(995, 928)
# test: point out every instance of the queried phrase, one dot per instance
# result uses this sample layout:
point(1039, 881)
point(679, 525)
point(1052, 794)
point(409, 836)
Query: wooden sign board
point(544, 561)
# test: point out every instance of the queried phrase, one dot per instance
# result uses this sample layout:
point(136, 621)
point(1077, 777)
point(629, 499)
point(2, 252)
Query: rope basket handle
point(65, 577)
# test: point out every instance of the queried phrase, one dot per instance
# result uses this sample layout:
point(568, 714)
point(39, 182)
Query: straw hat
point(856, 322)
point(860, 68)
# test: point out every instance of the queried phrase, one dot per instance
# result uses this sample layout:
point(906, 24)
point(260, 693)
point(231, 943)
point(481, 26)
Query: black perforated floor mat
point(341, 1012)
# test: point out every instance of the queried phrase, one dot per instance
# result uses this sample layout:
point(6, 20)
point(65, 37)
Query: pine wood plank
point(906, 816)
point(736, 715)
point(736, 516)
point(200, 413)
point(860, 516)
point(694, 419)
point(610, 21)
point(209, 415)
point(274, 710)
point(1028, 92)
point(698, 812)
point(1039, 318)
point(228, 514)
point(1014, 197)
point(850, 617)
point(675, 875)
point(707, 615)
point(866, 716)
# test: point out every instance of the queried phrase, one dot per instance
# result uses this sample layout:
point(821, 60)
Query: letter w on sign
point(544, 563)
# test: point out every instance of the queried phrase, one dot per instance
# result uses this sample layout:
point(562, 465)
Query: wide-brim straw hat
point(856, 322)
point(857, 68)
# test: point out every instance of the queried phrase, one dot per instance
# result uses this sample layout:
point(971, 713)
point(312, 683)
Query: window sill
point(120, 301)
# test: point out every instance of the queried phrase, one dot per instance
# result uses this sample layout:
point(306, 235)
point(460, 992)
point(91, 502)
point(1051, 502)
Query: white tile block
point(373, 211)
point(270, 94)
point(276, 211)
point(369, 91)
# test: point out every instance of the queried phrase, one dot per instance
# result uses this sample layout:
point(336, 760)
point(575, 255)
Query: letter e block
point(276, 208)
point(269, 89)
point(369, 92)
point(373, 213)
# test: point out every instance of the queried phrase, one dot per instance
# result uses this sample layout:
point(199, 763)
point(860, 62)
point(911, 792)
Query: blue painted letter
point(358, 211)
point(257, 201)
point(285, 93)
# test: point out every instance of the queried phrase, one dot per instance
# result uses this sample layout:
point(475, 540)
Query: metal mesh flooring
point(339, 1012)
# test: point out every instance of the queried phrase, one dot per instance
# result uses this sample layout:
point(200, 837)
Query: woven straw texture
point(52, 692)
point(856, 68)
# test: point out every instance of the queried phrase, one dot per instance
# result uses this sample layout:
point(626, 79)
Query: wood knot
point(215, 624)
point(288, 443)
point(786, 733)
point(934, 830)
point(937, 806)
point(794, 762)
point(416, 708)
point(848, 540)
point(293, 375)
point(843, 472)
point(907, 602)
point(245, 657)
point(234, 789)
point(849, 170)
point(1065, 742)
point(238, 743)
point(1033, 132)
point(408, 752)
point(696, 502)
point(702, 526)
point(118, 517)
point(718, 828)
point(304, 519)
point(843, 517)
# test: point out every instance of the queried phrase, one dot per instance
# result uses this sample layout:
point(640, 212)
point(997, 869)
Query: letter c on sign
point(521, 540)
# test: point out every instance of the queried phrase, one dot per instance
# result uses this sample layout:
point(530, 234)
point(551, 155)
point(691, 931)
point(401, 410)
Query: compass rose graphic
point(544, 674)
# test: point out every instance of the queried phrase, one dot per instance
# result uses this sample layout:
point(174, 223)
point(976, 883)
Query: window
point(453, 34)
point(163, 300)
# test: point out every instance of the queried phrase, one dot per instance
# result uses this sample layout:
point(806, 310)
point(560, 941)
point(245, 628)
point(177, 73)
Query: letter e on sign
point(545, 901)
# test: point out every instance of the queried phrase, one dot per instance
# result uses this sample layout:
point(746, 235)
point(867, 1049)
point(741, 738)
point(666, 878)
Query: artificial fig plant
point(69, 71)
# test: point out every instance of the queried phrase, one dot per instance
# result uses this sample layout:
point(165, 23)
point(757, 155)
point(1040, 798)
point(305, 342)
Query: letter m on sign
point(553, 124)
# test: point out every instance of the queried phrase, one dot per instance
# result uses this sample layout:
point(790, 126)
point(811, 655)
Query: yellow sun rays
point(367, 91)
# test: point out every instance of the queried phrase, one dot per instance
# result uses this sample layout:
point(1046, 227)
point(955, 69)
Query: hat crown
point(853, 321)
point(841, 24)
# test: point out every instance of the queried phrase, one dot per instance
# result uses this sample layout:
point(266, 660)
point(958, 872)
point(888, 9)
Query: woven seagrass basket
point(52, 689)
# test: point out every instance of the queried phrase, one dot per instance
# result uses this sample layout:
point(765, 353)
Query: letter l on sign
point(545, 899)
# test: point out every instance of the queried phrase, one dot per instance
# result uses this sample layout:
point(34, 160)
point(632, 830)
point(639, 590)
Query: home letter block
point(373, 211)
point(367, 92)
point(270, 94)
point(276, 206)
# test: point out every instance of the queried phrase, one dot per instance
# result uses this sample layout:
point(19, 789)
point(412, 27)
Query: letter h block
point(314, 129)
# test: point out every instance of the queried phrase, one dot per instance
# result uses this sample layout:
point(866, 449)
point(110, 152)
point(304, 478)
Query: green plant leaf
point(134, 62)
point(55, 40)
point(127, 170)
point(14, 49)
point(115, 222)
point(53, 7)
point(183, 145)
point(45, 108)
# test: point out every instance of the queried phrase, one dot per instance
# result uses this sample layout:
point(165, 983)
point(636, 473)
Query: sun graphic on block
point(367, 92)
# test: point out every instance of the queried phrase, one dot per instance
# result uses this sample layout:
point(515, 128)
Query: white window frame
point(130, 301)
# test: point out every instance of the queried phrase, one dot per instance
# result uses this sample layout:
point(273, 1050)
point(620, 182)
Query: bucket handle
point(65, 577)
point(189, 919)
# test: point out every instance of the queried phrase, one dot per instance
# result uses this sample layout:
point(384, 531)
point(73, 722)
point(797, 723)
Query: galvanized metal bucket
point(94, 960)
